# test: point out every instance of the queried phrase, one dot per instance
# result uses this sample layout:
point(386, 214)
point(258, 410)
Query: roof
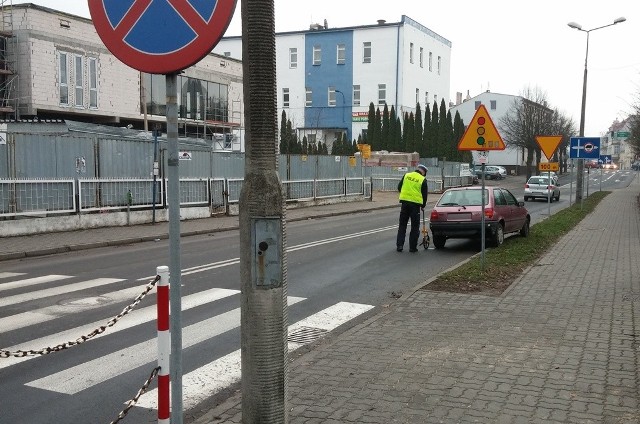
point(381, 24)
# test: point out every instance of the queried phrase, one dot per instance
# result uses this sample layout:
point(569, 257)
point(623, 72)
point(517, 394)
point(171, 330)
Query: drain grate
point(305, 335)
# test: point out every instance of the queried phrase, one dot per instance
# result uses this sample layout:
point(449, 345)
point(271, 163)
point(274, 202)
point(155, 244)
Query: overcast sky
point(503, 46)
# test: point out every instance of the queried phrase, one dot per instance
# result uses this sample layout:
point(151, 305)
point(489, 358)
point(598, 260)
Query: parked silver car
point(540, 187)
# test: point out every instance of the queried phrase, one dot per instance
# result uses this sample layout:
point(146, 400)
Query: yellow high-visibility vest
point(411, 190)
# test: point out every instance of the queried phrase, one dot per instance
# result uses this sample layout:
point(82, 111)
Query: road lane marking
point(234, 261)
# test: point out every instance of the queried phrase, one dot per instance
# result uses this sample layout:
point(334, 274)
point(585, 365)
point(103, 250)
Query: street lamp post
point(580, 170)
point(343, 103)
point(343, 107)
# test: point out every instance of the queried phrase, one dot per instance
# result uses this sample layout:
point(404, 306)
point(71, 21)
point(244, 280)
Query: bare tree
point(528, 117)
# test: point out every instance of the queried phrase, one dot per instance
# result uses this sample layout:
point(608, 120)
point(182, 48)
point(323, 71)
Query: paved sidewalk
point(562, 345)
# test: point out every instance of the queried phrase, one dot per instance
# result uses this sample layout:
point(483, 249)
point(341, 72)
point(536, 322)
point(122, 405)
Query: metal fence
point(37, 197)
point(46, 197)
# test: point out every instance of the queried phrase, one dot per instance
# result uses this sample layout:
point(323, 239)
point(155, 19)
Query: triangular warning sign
point(548, 144)
point(481, 133)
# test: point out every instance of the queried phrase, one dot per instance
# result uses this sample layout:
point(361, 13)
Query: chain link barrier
point(132, 402)
point(63, 346)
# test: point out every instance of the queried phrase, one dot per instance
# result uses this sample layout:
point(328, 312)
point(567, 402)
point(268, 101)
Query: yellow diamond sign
point(481, 134)
point(548, 144)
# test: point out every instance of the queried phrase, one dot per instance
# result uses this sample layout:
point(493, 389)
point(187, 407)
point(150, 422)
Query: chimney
point(381, 21)
point(326, 25)
point(458, 98)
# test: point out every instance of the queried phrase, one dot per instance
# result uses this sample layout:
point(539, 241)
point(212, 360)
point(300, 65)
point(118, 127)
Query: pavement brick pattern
point(562, 345)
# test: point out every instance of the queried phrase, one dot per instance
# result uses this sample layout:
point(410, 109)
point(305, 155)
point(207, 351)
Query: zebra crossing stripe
point(30, 281)
point(54, 291)
point(26, 319)
point(75, 379)
point(203, 382)
point(139, 316)
point(10, 274)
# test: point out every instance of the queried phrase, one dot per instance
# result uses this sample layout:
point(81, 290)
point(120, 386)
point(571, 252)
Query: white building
point(614, 143)
point(55, 66)
point(327, 77)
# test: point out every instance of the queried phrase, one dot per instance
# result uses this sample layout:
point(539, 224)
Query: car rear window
point(463, 198)
point(541, 181)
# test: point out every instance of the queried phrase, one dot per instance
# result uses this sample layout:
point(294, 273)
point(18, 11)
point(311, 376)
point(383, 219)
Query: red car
point(458, 214)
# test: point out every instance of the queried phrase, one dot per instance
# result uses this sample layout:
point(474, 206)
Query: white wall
point(293, 79)
point(413, 76)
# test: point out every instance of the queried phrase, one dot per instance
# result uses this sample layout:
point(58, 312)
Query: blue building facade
point(330, 82)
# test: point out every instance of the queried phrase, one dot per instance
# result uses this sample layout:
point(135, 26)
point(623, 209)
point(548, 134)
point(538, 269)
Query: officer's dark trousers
point(408, 211)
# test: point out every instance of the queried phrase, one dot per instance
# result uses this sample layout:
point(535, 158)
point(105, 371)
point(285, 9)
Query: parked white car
point(539, 187)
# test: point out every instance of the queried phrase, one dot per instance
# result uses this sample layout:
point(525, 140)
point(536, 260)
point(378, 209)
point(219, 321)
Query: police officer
point(413, 198)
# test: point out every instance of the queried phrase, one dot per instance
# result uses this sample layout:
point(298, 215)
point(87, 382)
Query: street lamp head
point(575, 25)
point(619, 20)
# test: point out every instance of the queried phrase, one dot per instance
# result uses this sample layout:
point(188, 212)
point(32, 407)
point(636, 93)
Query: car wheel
point(558, 197)
point(498, 237)
point(524, 231)
point(439, 241)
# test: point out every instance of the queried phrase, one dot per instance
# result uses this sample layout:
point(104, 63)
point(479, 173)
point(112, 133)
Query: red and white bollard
point(164, 346)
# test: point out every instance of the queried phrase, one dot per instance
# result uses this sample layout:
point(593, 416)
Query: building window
point(382, 94)
point(293, 58)
point(317, 55)
point(64, 79)
point(227, 54)
point(417, 95)
point(356, 95)
point(439, 64)
point(331, 95)
point(285, 97)
point(366, 52)
point(79, 78)
point(308, 97)
point(341, 54)
point(426, 98)
point(421, 57)
point(410, 52)
point(477, 104)
point(93, 83)
point(493, 105)
point(430, 61)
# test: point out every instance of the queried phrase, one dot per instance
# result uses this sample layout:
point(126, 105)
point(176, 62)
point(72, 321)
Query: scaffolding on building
point(8, 64)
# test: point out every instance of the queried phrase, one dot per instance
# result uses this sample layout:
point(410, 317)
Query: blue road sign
point(605, 159)
point(584, 148)
point(161, 36)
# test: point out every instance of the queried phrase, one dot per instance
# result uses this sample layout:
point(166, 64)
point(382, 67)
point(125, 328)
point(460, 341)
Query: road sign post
point(481, 135)
point(582, 148)
point(162, 37)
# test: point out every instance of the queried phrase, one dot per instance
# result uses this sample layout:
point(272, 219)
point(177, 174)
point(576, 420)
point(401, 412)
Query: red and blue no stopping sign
point(161, 36)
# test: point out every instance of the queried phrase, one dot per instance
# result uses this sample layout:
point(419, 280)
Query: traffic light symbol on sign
point(480, 140)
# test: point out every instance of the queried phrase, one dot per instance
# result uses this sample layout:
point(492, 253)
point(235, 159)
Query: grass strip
point(506, 263)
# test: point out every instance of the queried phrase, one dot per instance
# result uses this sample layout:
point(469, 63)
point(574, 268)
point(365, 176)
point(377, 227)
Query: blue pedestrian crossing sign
point(161, 36)
point(584, 148)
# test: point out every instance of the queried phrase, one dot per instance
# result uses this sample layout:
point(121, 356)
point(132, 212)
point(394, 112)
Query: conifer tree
point(384, 134)
point(418, 130)
point(371, 123)
point(427, 137)
point(393, 131)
